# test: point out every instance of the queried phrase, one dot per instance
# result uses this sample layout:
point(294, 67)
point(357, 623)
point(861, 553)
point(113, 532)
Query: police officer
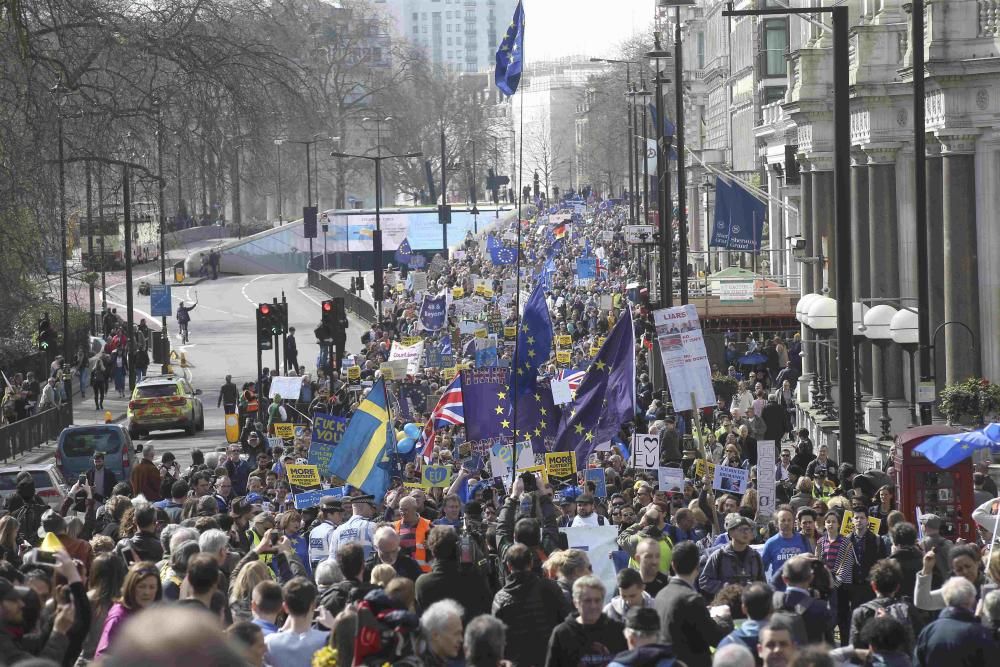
point(331, 515)
point(359, 528)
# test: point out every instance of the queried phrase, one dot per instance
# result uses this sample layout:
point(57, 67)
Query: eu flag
point(537, 417)
point(510, 55)
point(534, 341)
point(946, 450)
point(605, 397)
point(404, 253)
point(502, 255)
point(486, 403)
point(361, 457)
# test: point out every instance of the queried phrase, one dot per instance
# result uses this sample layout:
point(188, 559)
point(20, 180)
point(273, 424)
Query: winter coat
point(956, 639)
point(449, 579)
point(724, 567)
point(531, 607)
point(573, 644)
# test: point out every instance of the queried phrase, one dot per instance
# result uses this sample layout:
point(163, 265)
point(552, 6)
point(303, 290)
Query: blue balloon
point(406, 445)
point(412, 430)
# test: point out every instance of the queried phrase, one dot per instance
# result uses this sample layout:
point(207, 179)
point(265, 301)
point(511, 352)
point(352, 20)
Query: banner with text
point(685, 359)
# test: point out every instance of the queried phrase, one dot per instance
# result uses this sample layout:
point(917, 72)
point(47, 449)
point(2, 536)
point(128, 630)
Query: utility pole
point(161, 184)
point(127, 207)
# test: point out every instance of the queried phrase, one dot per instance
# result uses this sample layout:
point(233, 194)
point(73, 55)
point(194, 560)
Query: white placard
point(288, 387)
point(606, 302)
point(645, 451)
point(598, 542)
point(411, 353)
point(419, 281)
point(685, 359)
point(765, 477)
point(730, 479)
point(561, 394)
point(603, 447)
point(671, 480)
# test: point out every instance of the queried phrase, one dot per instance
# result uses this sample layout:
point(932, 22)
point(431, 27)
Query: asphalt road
point(222, 340)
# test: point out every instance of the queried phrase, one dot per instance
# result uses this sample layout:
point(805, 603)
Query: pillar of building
point(961, 255)
point(935, 241)
point(861, 258)
point(807, 278)
point(822, 224)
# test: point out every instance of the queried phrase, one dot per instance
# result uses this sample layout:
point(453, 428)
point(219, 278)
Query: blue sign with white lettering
point(159, 301)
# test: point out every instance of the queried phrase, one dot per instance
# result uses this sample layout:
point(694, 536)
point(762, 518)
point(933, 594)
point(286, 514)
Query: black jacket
point(649, 655)
point(531, 607)
point(868, 611)
point(404, 566)
point(573, 644)
point(956, 639)
point(817, 618)
point(910, 560)
point(685, 623)
point(146, 547)
point(451, 580)
point(110, 479)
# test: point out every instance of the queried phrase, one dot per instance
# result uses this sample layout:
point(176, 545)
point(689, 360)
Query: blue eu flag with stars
point(534, 340)
point(486, 402)
point(605, 398)
point(510, 55)
point(502, 255)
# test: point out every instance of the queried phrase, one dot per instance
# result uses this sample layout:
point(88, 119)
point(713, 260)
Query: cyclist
point(183, 318)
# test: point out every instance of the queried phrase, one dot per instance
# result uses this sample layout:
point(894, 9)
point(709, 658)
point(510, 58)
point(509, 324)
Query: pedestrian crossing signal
point(265, 326)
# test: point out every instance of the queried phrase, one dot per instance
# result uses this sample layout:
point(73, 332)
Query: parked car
point(77, 444)
point(165, 402)
point(49, 482)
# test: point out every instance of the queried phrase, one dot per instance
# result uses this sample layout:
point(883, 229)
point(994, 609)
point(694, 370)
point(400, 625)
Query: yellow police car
point(163, 403)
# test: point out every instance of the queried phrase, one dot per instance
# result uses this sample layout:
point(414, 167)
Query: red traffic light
point(327, 306)
point(265, 309)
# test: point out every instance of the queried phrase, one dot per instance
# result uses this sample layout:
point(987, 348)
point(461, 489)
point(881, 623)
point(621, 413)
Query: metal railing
point(26, 434)
point(352, 302)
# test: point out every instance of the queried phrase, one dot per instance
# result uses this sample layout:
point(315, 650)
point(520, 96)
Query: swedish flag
point(361, 458)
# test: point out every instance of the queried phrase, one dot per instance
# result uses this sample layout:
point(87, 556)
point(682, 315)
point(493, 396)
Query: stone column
point(808, 283)
point(861, 259)
point(822, 225)
point(887, 366)
point(961, 254)
point(935, 241)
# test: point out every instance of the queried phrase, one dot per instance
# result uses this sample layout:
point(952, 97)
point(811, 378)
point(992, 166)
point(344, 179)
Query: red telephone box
point(947, 494)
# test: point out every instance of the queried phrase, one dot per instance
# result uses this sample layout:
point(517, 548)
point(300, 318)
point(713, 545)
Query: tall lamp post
point(60, 91)
point(878, 321)
point(379, 281)
point(277, 146)
point(666, 232)
point(859, 310)
point(309, 190)
point(823, 320)
point(904, 328)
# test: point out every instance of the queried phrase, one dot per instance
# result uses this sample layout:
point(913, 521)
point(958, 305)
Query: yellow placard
point(284, 430)
point(457, 292)
point(594, 350)
point(702, 468)
point(409, 341)
point(488, 292)
point(510, 333)
point(847, 525)
point(482, 333)
point(354, 373)
point(449, 373)
point(563, 356)
point(399, 287)
point(414, 485)
point(564, 340)
point(480, 288)
point(560, 464)
point(600, 341)
point(303, 476)
point(432, 476)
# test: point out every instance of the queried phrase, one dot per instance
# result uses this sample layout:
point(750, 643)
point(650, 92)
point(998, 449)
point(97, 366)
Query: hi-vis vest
point(251, 399)
point(254, 541)
point(420, 548)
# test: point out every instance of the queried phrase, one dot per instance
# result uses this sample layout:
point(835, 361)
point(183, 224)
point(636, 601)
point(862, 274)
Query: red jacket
point(146, 480)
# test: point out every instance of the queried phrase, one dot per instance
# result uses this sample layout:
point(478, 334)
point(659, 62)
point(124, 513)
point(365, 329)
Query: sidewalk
point(343, 278)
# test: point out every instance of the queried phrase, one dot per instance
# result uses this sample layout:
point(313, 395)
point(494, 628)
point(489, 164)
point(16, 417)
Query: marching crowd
point(214, 565)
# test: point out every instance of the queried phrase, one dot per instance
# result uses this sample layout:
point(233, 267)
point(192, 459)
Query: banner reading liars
point(685, 360)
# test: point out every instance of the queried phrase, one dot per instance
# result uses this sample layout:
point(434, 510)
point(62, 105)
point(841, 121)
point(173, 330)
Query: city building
point(462, 35)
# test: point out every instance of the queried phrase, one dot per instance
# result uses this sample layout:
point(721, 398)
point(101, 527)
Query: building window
point(775, 47)
point(774, 94)
point(448, 27)
point(701, 50)
point(416, 16)
point(449, 41)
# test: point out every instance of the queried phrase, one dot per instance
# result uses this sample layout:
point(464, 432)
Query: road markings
point(251, 282)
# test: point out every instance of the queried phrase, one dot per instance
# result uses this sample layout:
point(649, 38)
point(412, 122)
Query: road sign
point(637, 234)
point(159, 301)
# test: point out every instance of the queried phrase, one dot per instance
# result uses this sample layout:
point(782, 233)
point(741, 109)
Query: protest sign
point(596, 475)
point(354, 377)
point(326, 435)
point(457, 292)
point(598, 542)
point(561, 393)
point(703, 468)
point(285, 386)
point(434, 312)
point(685, 359)
point(419, 281)
point(510, 333)
point(411, 340)
point(731, 479)
point(275, 441)
point(303, 479)
point(308, 499)
point(393, 370)
point(284, 430)
point(412, 354)
point(487, 357)
point(432, 476)
point(564, 340)
point(561, 465)
point(847, 524)
point(563, 357)
point(765, 477)
point(670, 480)
point(645, 451)
point(413, 400)
point(500, 458)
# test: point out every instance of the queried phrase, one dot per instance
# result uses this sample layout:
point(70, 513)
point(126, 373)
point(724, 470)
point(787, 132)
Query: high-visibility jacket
point(254, 541)
point(251, 400)
point(420, 548)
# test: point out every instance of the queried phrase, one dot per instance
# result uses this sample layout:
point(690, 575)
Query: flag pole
point(517, 292)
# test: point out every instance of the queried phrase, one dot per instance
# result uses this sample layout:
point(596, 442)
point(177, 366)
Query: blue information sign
point(159, 301)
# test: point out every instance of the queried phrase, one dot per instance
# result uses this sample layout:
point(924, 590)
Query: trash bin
point(179, 272)
point(160, 345)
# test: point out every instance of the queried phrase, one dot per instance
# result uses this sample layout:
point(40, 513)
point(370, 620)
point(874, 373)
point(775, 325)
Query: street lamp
point(666, 241)
point(904, 328)
point(858, 312)
point(878, 323)
point(379, 281)
point(802, 315)
point(316, 138)
point(277, 144)
point(631, 130)
point(823, 320)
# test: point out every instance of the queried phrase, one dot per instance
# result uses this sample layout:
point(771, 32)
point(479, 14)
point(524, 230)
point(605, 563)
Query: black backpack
point(29, 520)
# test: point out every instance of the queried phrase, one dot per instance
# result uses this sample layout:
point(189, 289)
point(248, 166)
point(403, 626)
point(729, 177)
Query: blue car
point(77, 444)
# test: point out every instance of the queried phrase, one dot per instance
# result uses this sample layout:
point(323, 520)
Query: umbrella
point(753, 359)
point(945, 451)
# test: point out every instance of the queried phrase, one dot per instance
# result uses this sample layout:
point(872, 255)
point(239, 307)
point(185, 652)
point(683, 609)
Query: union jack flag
point(574, 376)
point(448, 411)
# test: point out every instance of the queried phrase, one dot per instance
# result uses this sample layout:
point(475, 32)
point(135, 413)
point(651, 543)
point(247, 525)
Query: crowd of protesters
point(213, 565)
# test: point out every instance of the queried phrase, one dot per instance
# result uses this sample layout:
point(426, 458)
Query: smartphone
point(45, 557)
point(83, 478)
point(275, 538)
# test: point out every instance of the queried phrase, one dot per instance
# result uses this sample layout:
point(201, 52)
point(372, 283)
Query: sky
point(589, 28)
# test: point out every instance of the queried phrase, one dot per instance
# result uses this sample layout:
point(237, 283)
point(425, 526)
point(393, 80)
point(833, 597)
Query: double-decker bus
point(108, 230)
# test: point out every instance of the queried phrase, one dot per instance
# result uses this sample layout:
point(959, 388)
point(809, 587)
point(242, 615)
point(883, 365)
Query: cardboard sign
point(449, 373)
point(419, 281)
point(731, 479)
point(500, 458)
point(326, 435)
point(457, 292)
point(302, 477)
point(670, 480)
point(564, 357)
point(354, 376)
point(564, 340)
point(561, 393)
point(288, 387)
point(481, 333)
point(597, 476)
point(510, 333)
point(646, 451)
point(560, 464)
point(284, 430)
point(847, 524)
point(703, 468)
point(432, 476)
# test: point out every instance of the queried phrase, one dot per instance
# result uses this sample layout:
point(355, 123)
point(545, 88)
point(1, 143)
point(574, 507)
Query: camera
point(45, 557)
point(83, 478)
point(529, 481)
point(275, 538)
point(796, 244)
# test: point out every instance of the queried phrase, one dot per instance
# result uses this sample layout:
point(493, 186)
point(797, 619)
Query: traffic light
point(358, 284)
point(536, 184)
point(265, 320)
point(309, 215)
point(328, 314)
point(281, 316)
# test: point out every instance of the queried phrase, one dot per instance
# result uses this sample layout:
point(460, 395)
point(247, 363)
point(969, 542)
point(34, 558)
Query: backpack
point(29, 520)
point(385, 633)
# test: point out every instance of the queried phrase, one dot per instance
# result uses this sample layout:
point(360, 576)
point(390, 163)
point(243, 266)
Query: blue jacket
point(956, 639)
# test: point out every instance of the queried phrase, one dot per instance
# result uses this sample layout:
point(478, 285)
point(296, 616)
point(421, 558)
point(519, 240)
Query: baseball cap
point(737, 521)
point(253, 499)
point(565, 500)
point(642, 619)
